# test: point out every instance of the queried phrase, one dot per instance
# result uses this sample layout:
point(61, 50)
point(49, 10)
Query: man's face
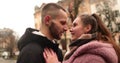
point(59, 25)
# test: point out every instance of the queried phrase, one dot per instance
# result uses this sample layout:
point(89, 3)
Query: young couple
point(99, 48)
point(91, 42)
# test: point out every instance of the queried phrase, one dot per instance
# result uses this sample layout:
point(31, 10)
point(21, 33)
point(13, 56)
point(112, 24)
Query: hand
point(50, 56)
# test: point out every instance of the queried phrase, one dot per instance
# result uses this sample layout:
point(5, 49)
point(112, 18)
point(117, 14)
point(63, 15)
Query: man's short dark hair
point(51, 9)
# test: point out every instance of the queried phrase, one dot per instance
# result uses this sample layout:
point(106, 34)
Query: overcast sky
point(18, 14)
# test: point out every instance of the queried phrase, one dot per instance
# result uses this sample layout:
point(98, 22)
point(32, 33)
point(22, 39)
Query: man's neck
point(47, 34)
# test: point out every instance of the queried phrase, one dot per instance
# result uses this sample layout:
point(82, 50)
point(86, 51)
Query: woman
point(99, 48)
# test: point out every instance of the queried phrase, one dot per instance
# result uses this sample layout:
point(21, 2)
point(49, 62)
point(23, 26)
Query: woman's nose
point(71, 29)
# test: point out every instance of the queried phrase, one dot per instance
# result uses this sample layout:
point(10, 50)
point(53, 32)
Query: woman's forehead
point(77, 20)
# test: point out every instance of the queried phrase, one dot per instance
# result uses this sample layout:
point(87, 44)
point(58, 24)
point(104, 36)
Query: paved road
point(7, 61)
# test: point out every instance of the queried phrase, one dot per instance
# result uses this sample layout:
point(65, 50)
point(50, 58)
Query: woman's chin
point(73, 39)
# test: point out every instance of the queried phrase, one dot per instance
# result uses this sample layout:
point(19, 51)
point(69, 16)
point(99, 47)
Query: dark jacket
point(31, 47)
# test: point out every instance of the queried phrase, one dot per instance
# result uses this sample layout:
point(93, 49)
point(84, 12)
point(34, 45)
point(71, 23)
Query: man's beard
point(54, 31)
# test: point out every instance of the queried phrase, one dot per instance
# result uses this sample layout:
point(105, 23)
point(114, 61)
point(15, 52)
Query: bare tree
point(8, 40)
point(76, 6)
point(109, 15)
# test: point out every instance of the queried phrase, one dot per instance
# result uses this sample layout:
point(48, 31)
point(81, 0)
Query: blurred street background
point(15, 18)
point(7, 61)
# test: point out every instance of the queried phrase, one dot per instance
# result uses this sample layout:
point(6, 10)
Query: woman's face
point(77, 29)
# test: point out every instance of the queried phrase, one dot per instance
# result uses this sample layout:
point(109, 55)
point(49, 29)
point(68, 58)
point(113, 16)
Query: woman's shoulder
point(89, 58)
point(94, 45)
point(97, 48)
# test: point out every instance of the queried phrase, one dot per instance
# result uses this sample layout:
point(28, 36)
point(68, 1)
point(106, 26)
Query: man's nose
point(65, 28)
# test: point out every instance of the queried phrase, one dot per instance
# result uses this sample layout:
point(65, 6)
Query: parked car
point(5, 55)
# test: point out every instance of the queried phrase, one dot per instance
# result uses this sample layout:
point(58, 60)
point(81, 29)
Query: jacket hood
point(30, 37)
point(26, 38)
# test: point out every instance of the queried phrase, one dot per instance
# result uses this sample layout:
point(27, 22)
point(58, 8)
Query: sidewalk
point(7, 60)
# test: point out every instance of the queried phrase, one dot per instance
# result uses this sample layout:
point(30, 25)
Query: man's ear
point(47, 19)
point(88, 28)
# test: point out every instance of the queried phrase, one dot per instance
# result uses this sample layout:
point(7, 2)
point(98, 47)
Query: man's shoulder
point(31, 53)
point(32, 47)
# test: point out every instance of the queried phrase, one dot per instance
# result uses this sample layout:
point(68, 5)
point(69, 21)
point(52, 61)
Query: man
point(33, 42)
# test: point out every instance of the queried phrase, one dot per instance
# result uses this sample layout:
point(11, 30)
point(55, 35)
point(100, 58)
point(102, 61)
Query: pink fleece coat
point(94, 52)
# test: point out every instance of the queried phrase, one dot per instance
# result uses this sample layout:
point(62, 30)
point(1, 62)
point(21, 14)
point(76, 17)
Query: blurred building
point(37, 15)
point(8, 41)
